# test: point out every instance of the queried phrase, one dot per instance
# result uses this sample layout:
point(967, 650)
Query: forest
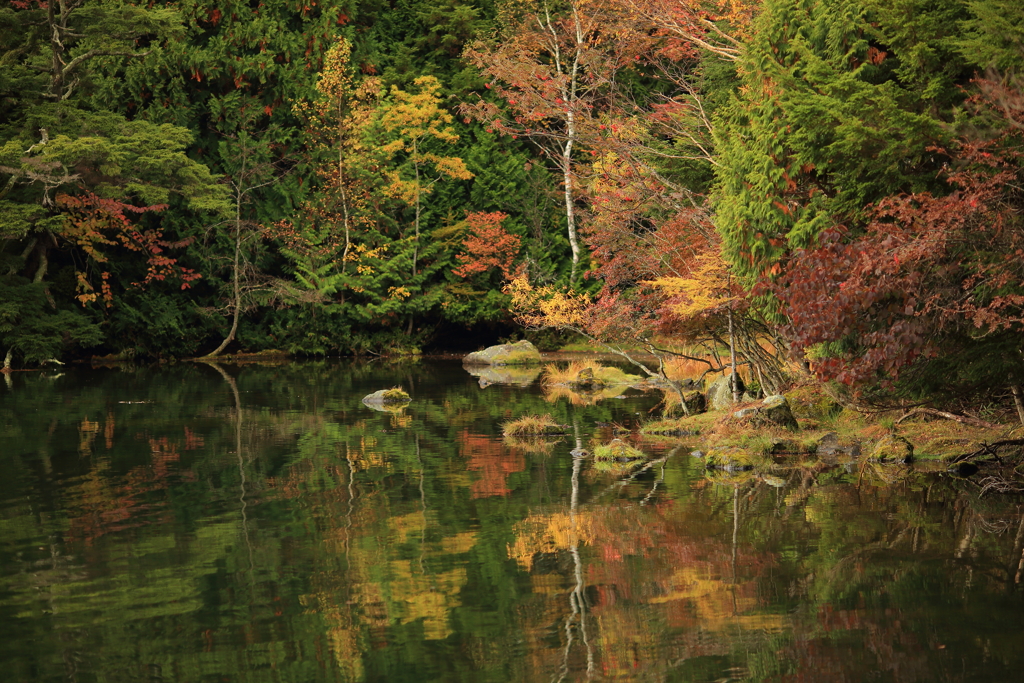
point(825, 186)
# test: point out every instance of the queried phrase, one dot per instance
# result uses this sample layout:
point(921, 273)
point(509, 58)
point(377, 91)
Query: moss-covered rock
point(813, 402)
point(667, 428)
point(520, 353)
point(617, 457)
point(729, 459)
point(618, 450)
point(831, 446)
point(387, 399)
point(893, 449)
point(521, 376)
point(696, 403)
point(775, 410)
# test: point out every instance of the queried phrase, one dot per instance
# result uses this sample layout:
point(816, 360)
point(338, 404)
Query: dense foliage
point(833, 182)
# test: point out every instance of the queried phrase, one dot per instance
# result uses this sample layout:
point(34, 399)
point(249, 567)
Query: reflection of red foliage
point(886, 646)
point(193, 440)
point(106, 505)
point(487, 456)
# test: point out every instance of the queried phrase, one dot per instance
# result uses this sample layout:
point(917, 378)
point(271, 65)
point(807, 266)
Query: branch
point(962, 419)
point(74, 63)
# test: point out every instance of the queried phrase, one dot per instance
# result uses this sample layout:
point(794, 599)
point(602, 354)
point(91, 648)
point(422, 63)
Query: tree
point(842, 103)
point(418, 124)
point(75, 176)
point(927, 299)
point(553, 71)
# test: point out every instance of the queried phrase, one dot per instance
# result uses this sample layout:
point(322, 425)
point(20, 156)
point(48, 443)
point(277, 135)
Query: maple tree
point(487, 245)
point(930, 292)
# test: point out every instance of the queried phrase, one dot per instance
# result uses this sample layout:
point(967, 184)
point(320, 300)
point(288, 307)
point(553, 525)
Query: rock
point(829, 446)
point(387, 399)
point(965, 469)
point(617, 450)
point(787, 446)
point(775, 410)
point(695, 402)
point(520, 353)
point(585, 381)
point(729, 460)
point(517, 375)
point(746, 412)
point(719, 394)
point(893, 449)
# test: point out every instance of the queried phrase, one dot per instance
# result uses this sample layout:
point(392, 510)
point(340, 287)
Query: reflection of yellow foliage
point(549, 584)
point(459, 543)
point(429, 597)
point(719, 604)
point(87, 432)
point(344, 643)
point(365, 455)
point(548, 534)
point(532, 444)
point(555, 392)
point(405, 525)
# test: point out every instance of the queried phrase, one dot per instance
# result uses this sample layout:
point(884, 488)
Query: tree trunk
point(237, 293)
point(1015, 388)
point(732, 358)
point(570, 209)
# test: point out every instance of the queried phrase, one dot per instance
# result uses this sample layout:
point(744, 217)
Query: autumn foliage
point(487, 246)
point(929, 275)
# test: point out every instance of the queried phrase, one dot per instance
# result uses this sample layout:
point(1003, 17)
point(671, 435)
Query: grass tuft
point(532, 425)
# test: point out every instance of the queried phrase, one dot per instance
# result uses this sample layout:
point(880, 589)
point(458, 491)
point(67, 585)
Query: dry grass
point(603, 374)
point(532, 425)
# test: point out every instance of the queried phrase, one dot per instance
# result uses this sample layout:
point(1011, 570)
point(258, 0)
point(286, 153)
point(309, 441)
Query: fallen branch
point(988, 449)
point(962, 419)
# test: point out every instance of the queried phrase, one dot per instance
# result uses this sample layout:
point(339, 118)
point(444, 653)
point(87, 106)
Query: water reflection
point(215, 522)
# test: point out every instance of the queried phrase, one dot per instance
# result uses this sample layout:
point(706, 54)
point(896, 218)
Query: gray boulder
point(520, 353)
point(719, 393)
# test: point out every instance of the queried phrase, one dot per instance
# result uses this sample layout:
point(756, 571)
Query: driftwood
point(988, 449)
point(962, 419)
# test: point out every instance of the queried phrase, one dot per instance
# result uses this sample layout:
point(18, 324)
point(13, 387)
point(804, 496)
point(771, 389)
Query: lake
point(206, 523)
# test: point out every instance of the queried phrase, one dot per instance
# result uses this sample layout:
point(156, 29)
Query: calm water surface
point(258, 523)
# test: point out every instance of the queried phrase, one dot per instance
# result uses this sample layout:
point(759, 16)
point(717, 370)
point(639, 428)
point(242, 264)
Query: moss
point(395, 395)
point(617, 456)
point(813, 402)
point(893, 449)
point(617, 450)
point(736, 459)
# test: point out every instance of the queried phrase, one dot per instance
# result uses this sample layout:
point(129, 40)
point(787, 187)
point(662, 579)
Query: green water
point(258, 523)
